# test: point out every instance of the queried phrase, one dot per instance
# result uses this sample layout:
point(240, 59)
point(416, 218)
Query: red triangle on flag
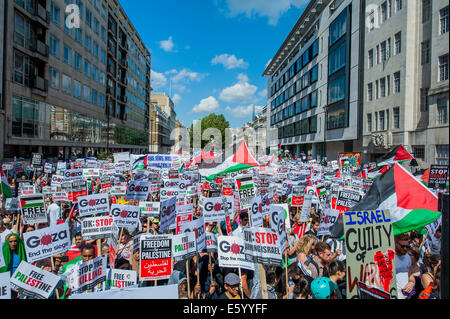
point(243, 156)
point(411, 194)
point(402, 154)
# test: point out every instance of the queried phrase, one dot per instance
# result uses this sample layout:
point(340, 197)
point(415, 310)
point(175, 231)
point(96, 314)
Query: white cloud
point(242, 92)
point(244, 111)
point(229, 61)
point(207, 105)
point(263, 94)
point(167, 45)
point(158, 80)
point(264, 8)
point(186, 75)
point(176, 98)
point(173, 71)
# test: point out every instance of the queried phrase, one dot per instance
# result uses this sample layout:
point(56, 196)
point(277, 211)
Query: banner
point(438, 176)
point(149, 209)
point(370, 251)
point(263, 245)
point(232, 253)
point(211, 242)
point(138, 190)
point(198, 227)
point(183, 247)
point(93, 204)
point(328, 219)
point(256, 211)
point(98, 227)
point(85, 276)
point(246, 191)
point(125, 215)
point(162, 161)
point(33, 282)
point(33, 210)
point(120, 278)
point(214, 208)
point(5, 285)
point(46, 242)
point(155, 257)
point(168, 213)
point(306, 209)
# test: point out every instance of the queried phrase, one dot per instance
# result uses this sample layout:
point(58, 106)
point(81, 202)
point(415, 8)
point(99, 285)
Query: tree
point(211, 121)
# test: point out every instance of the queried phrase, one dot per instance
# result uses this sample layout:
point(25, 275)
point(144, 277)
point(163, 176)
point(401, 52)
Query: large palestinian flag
point(397, 155)
point(140, 162)
point(241, 160)
point(411, 204)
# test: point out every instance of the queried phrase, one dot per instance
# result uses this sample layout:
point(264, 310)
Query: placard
point(328, 219)
point(125, 215)
point(149, 209)
point(256, 211)
point(85, 276)
point(36, 161)
point(306, 209)
point(93, 204)
point(214, 208)
point(33, 282)
point(246, 190)
point(46, 242)
point(438, 176)
point(181, 219)
point(183, 247)
point(211, 242)
point(120, 278)
point(347, 199)
point(198, 227)
point(138, 190)
point(155, 257)
point(263, 245)
point(167, 213)
point(33, 210)
point(93, 228)
point(370, 251)
point(232, 253)
point(5, 285)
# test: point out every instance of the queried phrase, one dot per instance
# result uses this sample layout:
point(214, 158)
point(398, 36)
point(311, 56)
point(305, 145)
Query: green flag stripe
point(417, 218)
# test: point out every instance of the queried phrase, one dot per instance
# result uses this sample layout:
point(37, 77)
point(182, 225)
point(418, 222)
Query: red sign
point(181, 219)
point(227, 191)
point(219, 180)
point(297, 201)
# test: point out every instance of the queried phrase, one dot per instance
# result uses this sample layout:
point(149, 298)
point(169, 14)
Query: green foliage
point(103, 156)
point(211, 121)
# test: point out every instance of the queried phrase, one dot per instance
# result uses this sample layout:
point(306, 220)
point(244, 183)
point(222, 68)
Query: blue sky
point(213, 52)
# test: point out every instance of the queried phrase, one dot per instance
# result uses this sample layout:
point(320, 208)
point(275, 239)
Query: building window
point(381, 117)
point(384, 12)
point(337, 59)
point(67, 29)
point(55, 14)
point(28, 117)
point(338, 27)
point(426, 10)
point(89, 18)
point(398, 43)
point(419, 152)
point(313, 103)
point(79, 35)
point(397, 83)
point(304, 103)
point(95, 49)
point(314, 74)
point(96, 26)
point(383, 51)
point(370, 55)
point(426, 52)
point(442, 154)
point(336, 118)
point(398, 5)
point(66, 84)
point(336, 90)
point(21, 69)
point(443, 20)
point(54, 46)
point(87, 42)
point(313, 124)
point(396, 117)
point(21, 31)
point(101, 100)
point(383, 87)
point(87, 93)
point(443, 67)
point(94, 97)
point(67, 55)
point(369, 122)
point(77, 62)
point(54, 78)
point(370, 91)
point(102, 56)
point(94, 73)
point(87, 68)
point(442, 112)
point(76, 89)
point(387, 120)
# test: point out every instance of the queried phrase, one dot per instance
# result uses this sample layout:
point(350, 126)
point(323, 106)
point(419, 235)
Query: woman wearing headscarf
point(13, 253)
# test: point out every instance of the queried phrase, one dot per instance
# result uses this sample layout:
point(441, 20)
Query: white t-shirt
point(54, 214)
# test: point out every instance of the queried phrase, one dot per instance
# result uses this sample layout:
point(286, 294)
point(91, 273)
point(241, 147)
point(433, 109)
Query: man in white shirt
point(54, 212)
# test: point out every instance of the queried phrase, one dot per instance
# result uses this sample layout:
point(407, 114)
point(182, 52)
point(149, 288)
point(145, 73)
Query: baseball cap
point(155, 221)
point(232, 279)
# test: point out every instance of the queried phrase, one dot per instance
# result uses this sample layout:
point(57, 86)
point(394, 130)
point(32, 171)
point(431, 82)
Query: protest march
point(168, 226)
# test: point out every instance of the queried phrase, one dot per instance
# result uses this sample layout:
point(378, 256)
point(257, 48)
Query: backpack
point(312, 262)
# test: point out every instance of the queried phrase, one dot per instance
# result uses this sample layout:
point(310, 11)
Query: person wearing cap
point(155, 226)
point(323, 288)
point(231, 285)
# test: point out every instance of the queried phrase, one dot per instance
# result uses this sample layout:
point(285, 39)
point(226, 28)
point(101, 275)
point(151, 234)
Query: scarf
point(7, 251)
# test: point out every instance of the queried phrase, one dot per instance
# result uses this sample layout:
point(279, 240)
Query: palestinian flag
point(241, 160)
point(244, 183)
point(397, 155)
point(373, 174)
point(140, 163)
point(426, 177)
point(6, 189)
point(411, 204)
point(32, 201)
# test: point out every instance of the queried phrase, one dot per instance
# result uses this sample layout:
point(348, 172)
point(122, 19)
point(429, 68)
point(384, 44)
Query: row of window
point(383, 50)
point(383, 13)
point(306, 80)
point(306, 103)
point(382, 87)
point(303, 127)
point(441, 153)
point(296, 67)
point(381, 122)
point(65, 83)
